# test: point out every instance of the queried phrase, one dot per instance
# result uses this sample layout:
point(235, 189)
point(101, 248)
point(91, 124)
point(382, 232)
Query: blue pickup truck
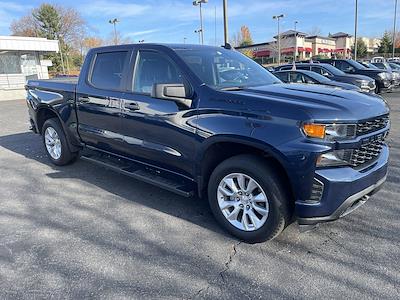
point(209, 122)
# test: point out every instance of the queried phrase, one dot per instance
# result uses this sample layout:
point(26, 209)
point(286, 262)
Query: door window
point(154, 68)
point(321, 71)
point(107, 70)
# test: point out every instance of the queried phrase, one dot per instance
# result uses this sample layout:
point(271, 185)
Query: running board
point(140, 172)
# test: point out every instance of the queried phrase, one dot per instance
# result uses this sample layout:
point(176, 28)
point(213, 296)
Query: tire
point(53, 133)
point(268, 183)
point(377, 88)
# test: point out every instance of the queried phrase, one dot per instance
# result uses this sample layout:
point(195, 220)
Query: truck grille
point(367, 153)
point(372, 125)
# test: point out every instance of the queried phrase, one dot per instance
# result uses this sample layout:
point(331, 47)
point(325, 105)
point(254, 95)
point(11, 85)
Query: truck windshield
point(220, 68)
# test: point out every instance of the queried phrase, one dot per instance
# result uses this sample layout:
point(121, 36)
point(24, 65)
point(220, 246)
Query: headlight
point(383, 75)
point(334, 158)
point(330, 132)
point(362, 83)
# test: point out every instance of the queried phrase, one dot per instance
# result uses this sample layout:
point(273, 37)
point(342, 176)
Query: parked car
point(365, 83)
point(349, 66)
point(395, 73)
point(309, 77)
point(263, 152)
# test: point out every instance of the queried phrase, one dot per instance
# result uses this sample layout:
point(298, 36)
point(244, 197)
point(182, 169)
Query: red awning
point(288, 50)
point(308, 49)
point(262, 53)
point(301, 49)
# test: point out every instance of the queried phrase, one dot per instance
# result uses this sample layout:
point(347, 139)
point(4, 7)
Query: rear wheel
point(56, 144)
point(248, 198)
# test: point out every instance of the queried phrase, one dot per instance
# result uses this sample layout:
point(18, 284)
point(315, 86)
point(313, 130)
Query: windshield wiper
point(233, 88)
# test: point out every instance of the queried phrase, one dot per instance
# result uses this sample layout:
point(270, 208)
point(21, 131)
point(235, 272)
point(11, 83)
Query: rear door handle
point(131, 106)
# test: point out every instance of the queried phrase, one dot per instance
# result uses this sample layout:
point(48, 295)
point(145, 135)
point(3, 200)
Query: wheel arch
point(217, 149)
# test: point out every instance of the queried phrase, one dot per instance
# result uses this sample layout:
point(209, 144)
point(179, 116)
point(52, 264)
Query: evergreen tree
point(361, 48)
point(386, 43)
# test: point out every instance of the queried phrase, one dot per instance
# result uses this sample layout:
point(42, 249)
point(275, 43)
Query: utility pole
point(226, 37)
point(114, 22)
point(198, 3)
point(295, 41)
point(394, 28)
point(279, 36)
point(215, 26)
point(355, 30)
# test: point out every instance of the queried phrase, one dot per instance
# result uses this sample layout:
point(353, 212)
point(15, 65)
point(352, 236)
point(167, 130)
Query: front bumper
point(345, 189)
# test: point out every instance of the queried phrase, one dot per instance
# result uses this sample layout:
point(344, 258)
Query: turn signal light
point(314, 130)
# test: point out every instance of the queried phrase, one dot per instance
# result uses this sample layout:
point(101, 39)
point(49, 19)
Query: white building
point(21, 58)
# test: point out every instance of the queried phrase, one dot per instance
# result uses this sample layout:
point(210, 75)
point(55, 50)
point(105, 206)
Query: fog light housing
point(334, 158)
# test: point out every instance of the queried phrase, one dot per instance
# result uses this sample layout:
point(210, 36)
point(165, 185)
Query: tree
point(242, 38)
point(314, 31)
point(57, 23)
point(361, 48)
point(386, 43)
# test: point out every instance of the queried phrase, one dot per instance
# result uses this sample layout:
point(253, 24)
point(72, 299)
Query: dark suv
point(383, 80)
point(365, 83)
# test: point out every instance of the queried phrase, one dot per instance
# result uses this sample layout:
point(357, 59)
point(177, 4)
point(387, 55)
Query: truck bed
point(67, 84)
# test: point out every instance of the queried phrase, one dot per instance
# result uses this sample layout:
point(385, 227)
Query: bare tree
point(314, 31)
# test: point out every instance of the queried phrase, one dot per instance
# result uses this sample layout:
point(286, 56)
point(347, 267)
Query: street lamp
point(394, 28)
point(200, 32)
point(114, 22)
point(226, 38)
point(295, 41)
point(198, 3)
point(355, 30)
point(278, 17)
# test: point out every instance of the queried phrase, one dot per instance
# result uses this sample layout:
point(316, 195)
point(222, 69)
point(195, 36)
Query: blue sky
point(172, 20)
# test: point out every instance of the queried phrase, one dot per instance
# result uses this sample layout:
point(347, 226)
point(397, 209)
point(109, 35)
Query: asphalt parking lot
point(84, 232)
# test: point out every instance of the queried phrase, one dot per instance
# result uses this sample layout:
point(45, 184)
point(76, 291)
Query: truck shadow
point(195, 210)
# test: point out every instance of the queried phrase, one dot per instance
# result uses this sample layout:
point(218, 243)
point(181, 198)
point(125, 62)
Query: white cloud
point(142, 33)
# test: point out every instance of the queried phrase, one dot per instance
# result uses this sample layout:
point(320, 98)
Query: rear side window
point(282, 76)
point(107, 70)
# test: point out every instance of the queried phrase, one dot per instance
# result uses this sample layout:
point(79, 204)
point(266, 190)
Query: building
point(21, 58)
point(306, 47)
point(372, 44)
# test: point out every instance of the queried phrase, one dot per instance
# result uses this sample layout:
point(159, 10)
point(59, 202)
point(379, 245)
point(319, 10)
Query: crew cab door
point(158, 131)
point(99, 95)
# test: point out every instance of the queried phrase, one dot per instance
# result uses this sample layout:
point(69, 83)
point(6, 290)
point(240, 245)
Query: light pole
point(355, 30)
point(226, 38)
point(184, 40)
point(295, 41)
point(198, 3)
point(394, 28)
point(199, 31)
point(114, 22)
point(279, 36)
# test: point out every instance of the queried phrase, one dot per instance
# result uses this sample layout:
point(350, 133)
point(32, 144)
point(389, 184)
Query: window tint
point(282, 76)
point(321, 71)
point(107, 70)
point(302, 67)
point(296, 77)
point(153, 68)
point(344, 66)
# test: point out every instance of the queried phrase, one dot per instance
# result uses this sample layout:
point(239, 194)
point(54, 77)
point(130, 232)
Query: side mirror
point(325, 74)
point(172, 91)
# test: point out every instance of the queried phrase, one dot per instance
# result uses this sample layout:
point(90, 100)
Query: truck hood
point(353, 77)
point(316, 102)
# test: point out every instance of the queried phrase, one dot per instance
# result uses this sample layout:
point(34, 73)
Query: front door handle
point(131, 106)
point(83, 99)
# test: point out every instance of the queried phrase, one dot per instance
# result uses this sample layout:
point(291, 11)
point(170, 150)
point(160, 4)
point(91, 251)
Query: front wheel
point(56, 144)
point(248, 199)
